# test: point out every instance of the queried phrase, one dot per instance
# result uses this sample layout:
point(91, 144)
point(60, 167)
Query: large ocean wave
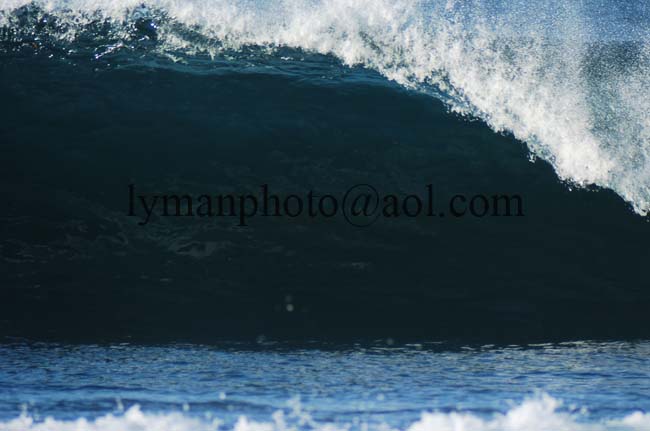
point(570, 79)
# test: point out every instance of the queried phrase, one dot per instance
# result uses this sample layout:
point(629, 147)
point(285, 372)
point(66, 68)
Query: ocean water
point(545, 100)
point(109, 323)
point(568, 79)
point(374, 386)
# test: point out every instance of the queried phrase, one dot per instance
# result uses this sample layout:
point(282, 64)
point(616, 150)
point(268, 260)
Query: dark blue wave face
point(100, 116)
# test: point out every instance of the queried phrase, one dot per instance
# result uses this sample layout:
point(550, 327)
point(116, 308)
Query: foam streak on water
point(571, 79)
point(535, 414)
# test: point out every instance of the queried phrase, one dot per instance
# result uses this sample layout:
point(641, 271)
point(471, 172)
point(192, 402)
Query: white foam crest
point(537, 414)
point(632, 93)
point(520, 66)
point(132, 420)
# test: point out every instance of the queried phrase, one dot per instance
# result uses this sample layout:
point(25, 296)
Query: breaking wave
point(571, 79)
point(537, 414)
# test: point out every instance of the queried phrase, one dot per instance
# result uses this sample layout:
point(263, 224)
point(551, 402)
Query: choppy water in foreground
point(428, 387)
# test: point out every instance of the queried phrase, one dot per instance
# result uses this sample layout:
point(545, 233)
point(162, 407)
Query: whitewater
point(535, 414)
point(570, 79)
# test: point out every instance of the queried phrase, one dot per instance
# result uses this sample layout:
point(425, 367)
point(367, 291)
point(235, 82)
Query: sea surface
point(373, 386)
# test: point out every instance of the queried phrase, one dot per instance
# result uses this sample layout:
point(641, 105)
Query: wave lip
point(535, 414)
point(554, 74)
